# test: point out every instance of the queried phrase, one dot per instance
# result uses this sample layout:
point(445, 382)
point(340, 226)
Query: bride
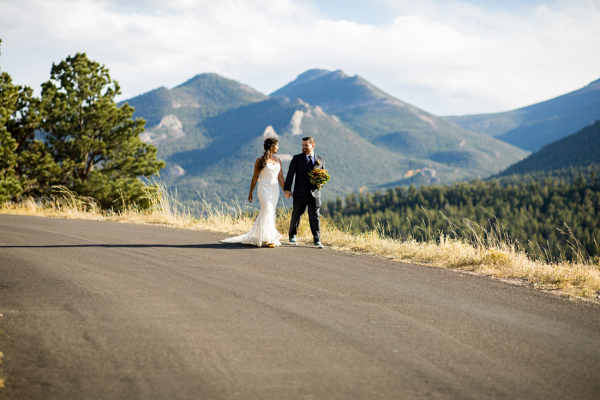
point(267, 171)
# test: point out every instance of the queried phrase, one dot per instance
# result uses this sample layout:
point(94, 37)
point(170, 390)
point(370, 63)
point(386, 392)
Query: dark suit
point(304, 195)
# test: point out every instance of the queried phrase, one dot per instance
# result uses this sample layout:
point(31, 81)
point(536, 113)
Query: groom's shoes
point(293, 241)
point(318, 245)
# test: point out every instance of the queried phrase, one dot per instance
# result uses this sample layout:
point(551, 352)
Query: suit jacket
point(299, 168)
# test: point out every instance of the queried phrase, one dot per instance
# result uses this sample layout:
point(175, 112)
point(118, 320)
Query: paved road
point(98, 310)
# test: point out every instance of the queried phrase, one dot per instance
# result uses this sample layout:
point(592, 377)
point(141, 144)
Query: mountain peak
point(207, 78)
point(595, 83)
point(308, 76)
point(311, 74)
point(304, 77)
point(339, 74)
point(207, 93)
point(207, 87)
point(335, 90)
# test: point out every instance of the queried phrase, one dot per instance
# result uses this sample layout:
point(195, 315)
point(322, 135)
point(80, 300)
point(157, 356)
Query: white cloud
point(447, 58)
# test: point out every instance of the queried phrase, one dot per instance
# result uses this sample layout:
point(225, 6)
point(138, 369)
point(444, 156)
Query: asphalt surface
point(99, 310)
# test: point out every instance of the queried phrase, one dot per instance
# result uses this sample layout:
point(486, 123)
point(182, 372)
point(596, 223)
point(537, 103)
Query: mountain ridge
point(391, 123)
point(210, 130)
point(186, 105)
point(580, 149)
point(541, 123)
point(334, 83)
point(302, 78)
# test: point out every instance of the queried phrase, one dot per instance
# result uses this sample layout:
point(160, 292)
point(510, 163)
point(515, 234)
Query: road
point(101, 310)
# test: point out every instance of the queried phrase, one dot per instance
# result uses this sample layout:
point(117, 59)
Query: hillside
point(578, 150)
point(534, 126)
point(225, 166)
point(397, 126)
point(210, 130)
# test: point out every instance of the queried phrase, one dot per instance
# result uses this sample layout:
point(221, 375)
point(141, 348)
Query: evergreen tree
point(9, 184)
point(95, 142)
point(35, 167)
point(529, 210)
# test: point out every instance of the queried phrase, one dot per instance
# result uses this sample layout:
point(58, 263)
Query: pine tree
point(9, 184)
point(95, 142)
point(35, 167)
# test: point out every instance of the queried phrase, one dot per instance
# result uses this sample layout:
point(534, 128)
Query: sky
point(445, 57)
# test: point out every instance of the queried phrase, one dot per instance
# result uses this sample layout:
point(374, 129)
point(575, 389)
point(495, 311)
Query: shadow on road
point(176, 246)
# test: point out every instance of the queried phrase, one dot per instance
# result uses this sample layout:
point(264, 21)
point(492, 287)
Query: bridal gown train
point(263, 231)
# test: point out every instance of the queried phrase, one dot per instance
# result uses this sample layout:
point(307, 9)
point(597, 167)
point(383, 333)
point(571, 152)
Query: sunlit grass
point(470, 247)
point(1, 380)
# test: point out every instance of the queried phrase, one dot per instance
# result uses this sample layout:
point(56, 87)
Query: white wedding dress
point(263, 231)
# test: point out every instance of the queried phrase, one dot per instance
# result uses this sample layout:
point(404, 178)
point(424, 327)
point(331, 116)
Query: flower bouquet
point(318, 176)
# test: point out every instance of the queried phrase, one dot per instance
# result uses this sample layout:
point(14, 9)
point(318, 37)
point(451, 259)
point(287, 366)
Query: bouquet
point(318, 176)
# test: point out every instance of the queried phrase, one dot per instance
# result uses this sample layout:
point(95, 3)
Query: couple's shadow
point(126, 246)
point(227, 246)
point(247, 246)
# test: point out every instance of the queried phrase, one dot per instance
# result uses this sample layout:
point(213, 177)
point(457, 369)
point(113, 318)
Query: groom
point(305, 194)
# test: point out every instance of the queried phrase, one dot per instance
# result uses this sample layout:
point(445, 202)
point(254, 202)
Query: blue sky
point(446, 57)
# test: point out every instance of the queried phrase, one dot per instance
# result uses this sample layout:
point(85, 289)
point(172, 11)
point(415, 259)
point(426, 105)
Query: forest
point(536, 211)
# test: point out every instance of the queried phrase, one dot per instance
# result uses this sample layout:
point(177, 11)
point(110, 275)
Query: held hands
point(287, 194)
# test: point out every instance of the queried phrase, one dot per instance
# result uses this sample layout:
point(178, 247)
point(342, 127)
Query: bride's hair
point(269, 143)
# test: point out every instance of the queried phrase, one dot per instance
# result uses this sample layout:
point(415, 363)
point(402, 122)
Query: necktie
point(310, 161)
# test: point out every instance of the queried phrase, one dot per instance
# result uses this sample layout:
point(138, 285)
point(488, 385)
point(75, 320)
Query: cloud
point(445, 57)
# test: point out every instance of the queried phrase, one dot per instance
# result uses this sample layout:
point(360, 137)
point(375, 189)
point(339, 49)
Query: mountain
point(532, 127)
point(397, 126)
point(225, 166)
point(581, 149)
point(203, 95)
point(172, 116)
point(302, 78)
point(210, 131)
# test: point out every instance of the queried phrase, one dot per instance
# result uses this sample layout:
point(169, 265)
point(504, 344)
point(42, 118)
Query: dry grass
point(1, 380)
point(472, 247)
